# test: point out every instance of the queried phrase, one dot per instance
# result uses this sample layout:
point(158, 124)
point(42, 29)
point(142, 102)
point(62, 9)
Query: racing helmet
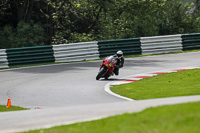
point(119, 53)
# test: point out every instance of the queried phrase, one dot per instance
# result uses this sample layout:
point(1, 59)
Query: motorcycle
point(107, 67)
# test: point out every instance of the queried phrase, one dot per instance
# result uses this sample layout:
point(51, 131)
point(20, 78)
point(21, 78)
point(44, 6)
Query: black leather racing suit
point(119, 64)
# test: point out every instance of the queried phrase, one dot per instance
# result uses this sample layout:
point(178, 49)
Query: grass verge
point(181, 83)
point(3, 108)
point(180, 118)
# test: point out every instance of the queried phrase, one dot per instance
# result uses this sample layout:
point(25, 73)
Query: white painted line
point(107, 89)
point(119, 83)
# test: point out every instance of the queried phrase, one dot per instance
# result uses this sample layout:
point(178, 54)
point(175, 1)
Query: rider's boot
point(116, 70)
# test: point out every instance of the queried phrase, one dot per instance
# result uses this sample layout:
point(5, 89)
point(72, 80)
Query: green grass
point(183, 83)
point(3, 108)
point(180, 118)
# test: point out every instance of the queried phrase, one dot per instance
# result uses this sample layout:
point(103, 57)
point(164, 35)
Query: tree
point(24, 9)
point(88, 20)
point(3, 2)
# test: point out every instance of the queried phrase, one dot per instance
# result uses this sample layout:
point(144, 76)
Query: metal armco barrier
point(161, 44)
point(191, 41)
point(95, 50)
point(76, 52)
point(129, 46)
point(3, 58)
point(30, 55)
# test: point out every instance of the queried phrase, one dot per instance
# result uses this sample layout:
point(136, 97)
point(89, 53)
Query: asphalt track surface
point(68, 93)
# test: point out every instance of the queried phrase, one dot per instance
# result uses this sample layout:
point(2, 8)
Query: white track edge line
point(107, 89)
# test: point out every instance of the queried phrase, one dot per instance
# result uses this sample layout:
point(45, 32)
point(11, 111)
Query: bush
point(7, 37)
point(29, 34)
point(81, 37)
point(26, 34)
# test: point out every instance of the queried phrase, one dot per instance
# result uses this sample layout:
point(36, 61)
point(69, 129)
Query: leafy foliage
point(67, 21)
point(26, 34)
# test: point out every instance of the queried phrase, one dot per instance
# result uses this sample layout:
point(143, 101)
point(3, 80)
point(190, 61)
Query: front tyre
point(101, 73)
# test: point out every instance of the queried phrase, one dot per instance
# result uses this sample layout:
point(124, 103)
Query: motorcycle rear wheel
point(101, 73)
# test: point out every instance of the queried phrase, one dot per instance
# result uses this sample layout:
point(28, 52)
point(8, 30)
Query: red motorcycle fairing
point(107, 67)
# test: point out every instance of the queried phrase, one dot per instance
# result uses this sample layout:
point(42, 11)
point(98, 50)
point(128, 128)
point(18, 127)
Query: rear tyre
point(101, 73)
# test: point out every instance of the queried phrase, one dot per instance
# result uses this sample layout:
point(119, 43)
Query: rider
point(120, 61)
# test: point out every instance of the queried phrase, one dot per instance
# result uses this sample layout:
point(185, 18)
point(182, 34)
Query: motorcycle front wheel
point(101, 73)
